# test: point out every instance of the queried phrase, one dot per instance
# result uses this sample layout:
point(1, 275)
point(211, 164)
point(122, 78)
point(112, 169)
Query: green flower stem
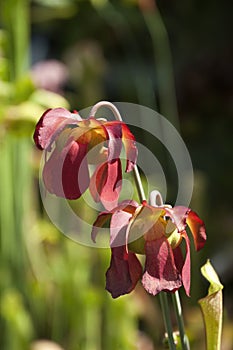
point(109, 105)
point(138, 182)
point(167, 319)
point(178, 310)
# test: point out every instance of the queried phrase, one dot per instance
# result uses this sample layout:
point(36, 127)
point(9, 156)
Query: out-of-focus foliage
point(20, 101)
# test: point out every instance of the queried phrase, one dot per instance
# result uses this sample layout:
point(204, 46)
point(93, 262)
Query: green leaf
point(212, 309)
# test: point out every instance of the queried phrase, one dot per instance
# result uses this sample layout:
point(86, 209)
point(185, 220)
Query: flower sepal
point(137, 246)
point(172, 234)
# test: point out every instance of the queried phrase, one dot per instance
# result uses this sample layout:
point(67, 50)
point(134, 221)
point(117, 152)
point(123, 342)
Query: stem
point(138, 182)
point(178, 310)
point(167, 319)
point(106, 104)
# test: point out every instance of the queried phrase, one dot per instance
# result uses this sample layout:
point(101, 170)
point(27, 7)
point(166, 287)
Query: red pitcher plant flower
point(71, 143)
point(157, 232)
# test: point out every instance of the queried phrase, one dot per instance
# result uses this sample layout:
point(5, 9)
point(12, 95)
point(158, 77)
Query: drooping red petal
point(65, 173)
point(197, 228)
point(160, 270)
point(124, 272)
point(130, 147)
point(114, 132)
point(105, 184)
point(51, 124)
point(183, 264)
point(118, 227)
point(186, 268)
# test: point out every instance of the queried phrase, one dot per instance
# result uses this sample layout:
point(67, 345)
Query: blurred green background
point(174, 57)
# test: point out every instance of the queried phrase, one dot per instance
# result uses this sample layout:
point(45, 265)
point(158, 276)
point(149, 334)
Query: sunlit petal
point(65, 173)
point(51, 124)
point(114, 132)
point(124, 272)
point(183, 264)
point(119, 222)
point(197, 228)
point(130, 147)
point(105, 184)
point(161, 273)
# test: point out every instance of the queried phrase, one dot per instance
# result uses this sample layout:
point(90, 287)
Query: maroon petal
point(130, 147)
point(118, 227)
point(124, 272)
point(65, 173)
point(197, 228)
point(186, 268)
point(51, 124)
point(184, 265)
point(114, 132)
point(160, 270)
point(105, 184)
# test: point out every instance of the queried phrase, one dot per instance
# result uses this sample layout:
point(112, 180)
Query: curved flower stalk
point(157, 232)
point(71, 143)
